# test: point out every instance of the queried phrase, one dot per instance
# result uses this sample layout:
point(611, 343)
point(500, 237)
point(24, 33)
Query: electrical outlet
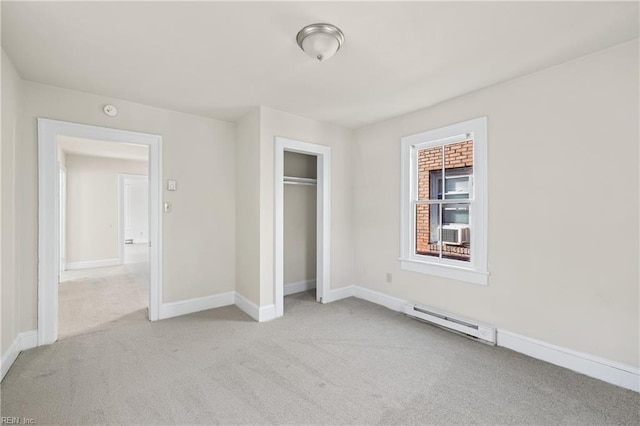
point(389, 277)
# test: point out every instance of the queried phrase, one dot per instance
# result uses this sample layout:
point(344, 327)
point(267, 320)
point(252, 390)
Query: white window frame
point(476, 270)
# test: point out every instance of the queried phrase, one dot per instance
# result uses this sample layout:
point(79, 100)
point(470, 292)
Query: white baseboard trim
point(378, 298)
point(92, 264)
point(9, 357)
point(260, 314)
point(189, 306)
point(28, 340)
point(247, 307)
point(267, 313)
point(340, 293)
point(603, 369)
point(606, 370)
point(22, 342)
point(299, 287)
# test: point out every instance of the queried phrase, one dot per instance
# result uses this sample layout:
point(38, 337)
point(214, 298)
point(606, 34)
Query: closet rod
point(300, 183)
point(299, 180)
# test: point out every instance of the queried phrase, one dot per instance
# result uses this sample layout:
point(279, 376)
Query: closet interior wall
point(300, 215)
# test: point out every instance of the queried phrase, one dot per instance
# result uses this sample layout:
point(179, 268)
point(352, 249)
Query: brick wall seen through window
point(458, 169)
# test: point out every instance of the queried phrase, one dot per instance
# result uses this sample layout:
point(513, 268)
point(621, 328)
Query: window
point(444, 202)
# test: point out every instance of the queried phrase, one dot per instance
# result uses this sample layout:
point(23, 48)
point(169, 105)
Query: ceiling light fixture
point(320, 41)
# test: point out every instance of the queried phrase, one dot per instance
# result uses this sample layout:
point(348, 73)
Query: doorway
point(299, 209)
point(133, 232)
point(322, 156)
point(98, 285)
point(50, 248)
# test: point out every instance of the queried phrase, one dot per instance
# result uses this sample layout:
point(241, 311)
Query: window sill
point(446, 271)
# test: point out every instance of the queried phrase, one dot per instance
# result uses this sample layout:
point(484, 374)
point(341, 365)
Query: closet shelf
point(292, 180)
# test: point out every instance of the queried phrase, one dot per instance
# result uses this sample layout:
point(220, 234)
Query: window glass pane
point(429, 165)
point(457, 252)
point(442, 229)
point(456, 232)
point(458, 170)
point(455, 214)
point(428, 230)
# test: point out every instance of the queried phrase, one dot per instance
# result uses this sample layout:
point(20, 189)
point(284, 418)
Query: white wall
point(300, 213)
point(136, 210)
point(255, 197)
point(248, 206)
point(92, 205)
point(199, 234)
point(563, 206)
point(9, 241)
point(276, 123)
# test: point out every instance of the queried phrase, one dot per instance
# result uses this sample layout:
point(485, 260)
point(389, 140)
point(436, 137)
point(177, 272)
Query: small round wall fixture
point(110, 110)
point(320, 41)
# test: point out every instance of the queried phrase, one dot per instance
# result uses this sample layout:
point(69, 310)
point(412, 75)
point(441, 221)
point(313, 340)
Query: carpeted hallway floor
point(90, 297)
point(348, 362)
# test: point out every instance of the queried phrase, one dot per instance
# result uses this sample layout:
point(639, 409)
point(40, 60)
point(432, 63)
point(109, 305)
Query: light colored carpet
point(348, 362)
point(88, 298)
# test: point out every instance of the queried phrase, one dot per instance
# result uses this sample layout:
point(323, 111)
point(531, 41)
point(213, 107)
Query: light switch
point(167, 207)
point(172, 185)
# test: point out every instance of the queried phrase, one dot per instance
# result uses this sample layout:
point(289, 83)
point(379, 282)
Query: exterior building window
point(444, 202)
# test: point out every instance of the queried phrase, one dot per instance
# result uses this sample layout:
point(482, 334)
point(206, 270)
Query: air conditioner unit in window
point(455, 234)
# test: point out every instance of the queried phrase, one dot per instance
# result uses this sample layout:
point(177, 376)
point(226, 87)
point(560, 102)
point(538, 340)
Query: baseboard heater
point(482, 332)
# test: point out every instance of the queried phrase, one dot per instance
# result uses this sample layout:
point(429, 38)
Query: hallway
point(91, 297)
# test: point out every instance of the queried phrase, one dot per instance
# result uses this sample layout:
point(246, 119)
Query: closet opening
point(300, 223)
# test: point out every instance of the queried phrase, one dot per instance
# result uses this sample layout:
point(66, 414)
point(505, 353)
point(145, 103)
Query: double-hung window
point(444, 202)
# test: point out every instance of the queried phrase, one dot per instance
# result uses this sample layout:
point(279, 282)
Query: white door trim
point(323, 239)
point(121, 203)
point(48, 212)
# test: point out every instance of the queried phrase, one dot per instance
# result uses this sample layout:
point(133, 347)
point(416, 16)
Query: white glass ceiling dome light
point(320, 41)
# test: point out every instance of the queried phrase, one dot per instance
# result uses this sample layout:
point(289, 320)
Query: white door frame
point(62, 194)
point(48, 212)
point(323, 227)
point(121, 203)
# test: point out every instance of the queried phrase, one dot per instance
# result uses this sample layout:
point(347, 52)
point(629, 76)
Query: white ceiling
point(96, 148)
point(219, 59)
